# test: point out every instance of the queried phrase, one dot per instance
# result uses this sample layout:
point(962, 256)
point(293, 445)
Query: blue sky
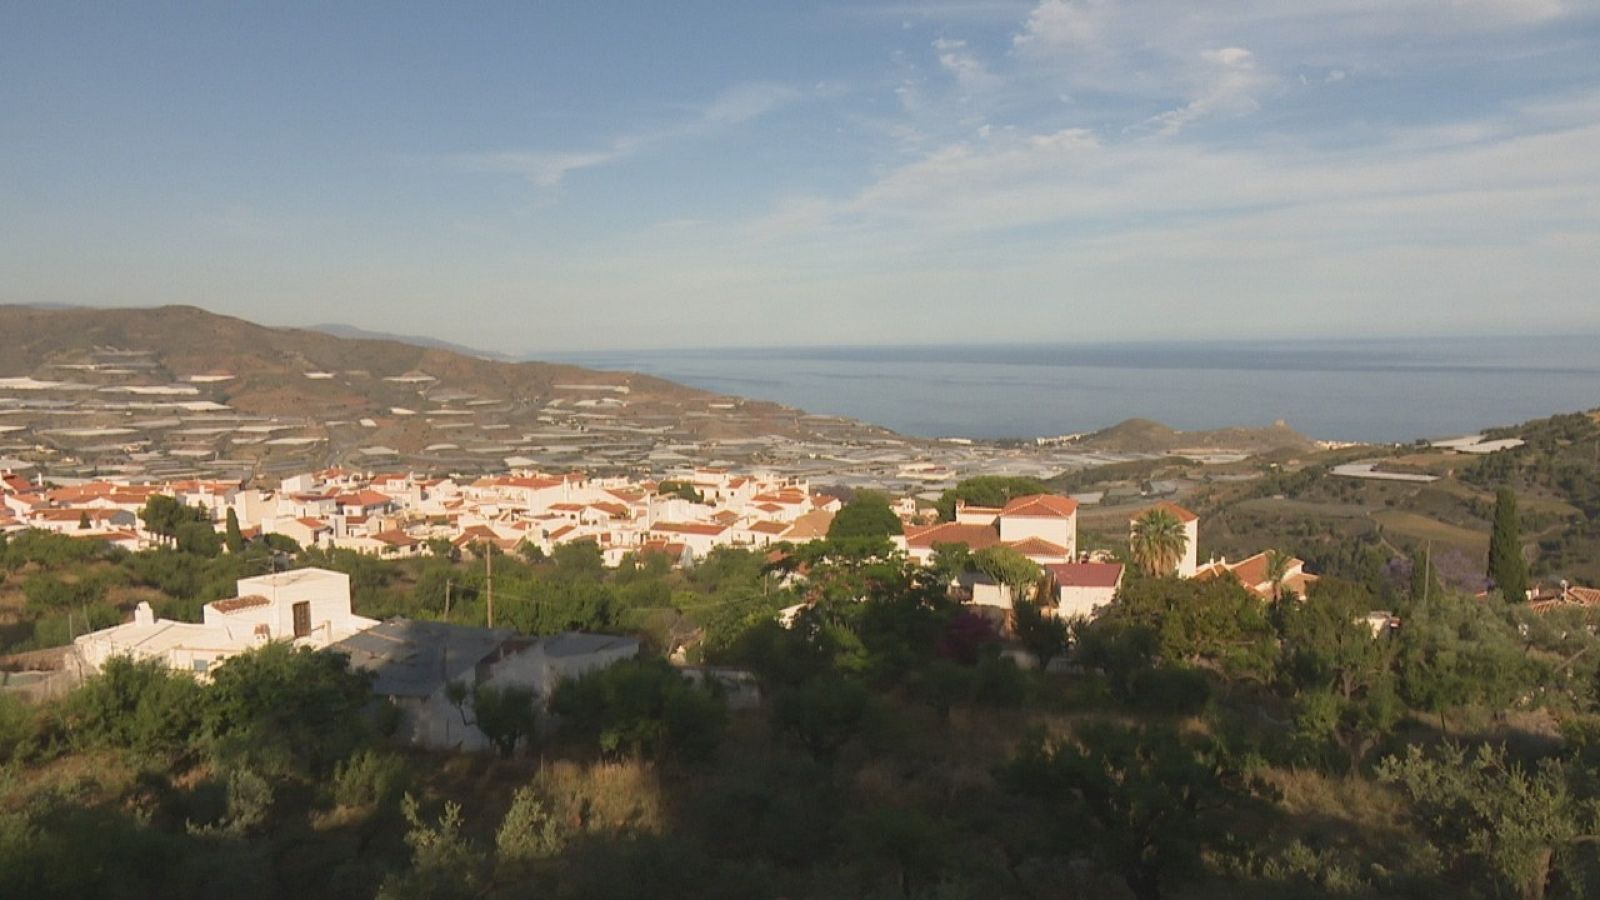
point(567, 176)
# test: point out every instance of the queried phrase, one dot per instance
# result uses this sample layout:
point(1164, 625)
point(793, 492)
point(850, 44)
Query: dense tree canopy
point(1198, 742)
point(865, 524)
point(987, 490)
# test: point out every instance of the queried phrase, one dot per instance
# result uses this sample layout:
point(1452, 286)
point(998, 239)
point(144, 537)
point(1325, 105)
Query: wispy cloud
point(941, 10)
point(969, 71)
point(1229, 87)
point(548, 169)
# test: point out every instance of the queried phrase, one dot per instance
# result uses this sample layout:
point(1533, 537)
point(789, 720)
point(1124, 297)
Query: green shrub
point(529, 831)
point(140, 706)
point(644, 707)
point(368, 778)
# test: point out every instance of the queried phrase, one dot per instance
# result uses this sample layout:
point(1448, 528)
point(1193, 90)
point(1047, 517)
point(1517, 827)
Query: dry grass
point(1421, 528)
point(96, 777)
point(608, 797)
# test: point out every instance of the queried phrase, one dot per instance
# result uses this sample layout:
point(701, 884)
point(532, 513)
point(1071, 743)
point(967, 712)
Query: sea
point(1388, 390)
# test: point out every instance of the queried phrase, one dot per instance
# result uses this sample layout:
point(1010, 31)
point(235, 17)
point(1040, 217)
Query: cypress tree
point(1507, 569)
point(235, 537)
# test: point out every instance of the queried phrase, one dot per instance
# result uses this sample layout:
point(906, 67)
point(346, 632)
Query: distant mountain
point(1147, 436)
point(351, 331)
point(400, 394)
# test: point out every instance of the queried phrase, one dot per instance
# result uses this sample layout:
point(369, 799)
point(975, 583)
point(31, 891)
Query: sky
point(565, 176)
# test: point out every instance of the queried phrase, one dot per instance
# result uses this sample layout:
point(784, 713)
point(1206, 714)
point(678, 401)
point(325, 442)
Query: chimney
point(143, 614)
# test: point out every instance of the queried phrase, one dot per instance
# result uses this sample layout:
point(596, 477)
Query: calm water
point(1344, 390)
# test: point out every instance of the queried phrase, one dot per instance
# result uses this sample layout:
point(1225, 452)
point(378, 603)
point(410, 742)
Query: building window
point(201, 665)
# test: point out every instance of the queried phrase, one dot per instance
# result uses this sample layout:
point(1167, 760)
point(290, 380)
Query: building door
point(302, 619)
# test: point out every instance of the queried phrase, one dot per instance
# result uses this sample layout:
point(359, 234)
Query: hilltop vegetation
point(1201, 743)
point(1371, 530)
point(1147, 436)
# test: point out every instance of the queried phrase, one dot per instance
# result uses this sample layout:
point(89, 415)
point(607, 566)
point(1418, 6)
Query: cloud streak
point(547, 170)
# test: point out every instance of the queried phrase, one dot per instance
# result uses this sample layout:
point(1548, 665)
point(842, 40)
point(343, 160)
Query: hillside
point(93, 384)
point(1146, 436)
point(1368, 513)
point(341, 330)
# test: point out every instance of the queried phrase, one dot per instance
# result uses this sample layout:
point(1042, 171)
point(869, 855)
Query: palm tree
point(1158, 541)
point(1277, 568)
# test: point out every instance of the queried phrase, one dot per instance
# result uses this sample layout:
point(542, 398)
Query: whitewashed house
point(310, 607)
point(1084, 588)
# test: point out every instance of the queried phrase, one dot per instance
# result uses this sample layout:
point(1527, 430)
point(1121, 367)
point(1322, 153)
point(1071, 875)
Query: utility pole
point(1427, 572)
point(448, 582)
point(488, 578)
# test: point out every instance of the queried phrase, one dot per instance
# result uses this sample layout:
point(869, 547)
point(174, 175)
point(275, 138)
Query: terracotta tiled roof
point(1091, 575)
point(1052, 506)
point(690, 528)
point(1252, 573)
point(73, 515)
point(396, 538)
point(235, 604)
point(364, 499)
point(614, 510)
point(1584, 595)
point(1034, 546)
point(811, 526)
point(673, 549)
point(1183, 515)
point(976, 537)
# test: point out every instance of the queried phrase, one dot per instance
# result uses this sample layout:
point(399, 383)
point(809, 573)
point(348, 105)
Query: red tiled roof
point(976, 537)
point(1183, 515)
point(364, 499)
point(1035, 546)
point(690, 528)
point(788, 497)
point(673, 549)
point(396, 538)
point(1585, 595)
point(73, 515)
point(234, 604)
point(1251, 571)
point(811, 526)
point(1052, 506)
point(1090, 575)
